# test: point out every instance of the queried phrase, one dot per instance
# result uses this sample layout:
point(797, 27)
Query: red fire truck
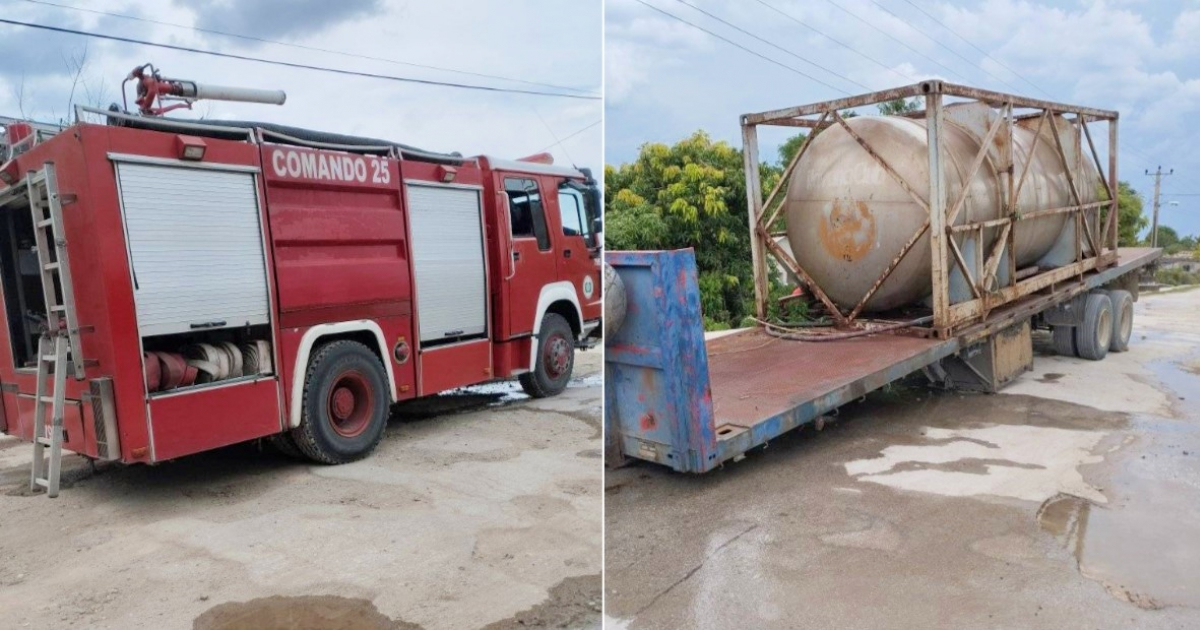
point(171, 287)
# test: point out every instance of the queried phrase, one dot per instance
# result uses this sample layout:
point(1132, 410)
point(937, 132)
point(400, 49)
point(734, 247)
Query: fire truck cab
point(228, 282)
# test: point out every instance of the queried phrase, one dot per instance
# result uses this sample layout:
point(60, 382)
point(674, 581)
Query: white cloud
point(550, 42)
point(1140, 58)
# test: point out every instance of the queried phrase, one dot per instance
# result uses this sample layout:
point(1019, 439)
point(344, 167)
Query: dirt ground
point(1072, 500)
point(480, 509)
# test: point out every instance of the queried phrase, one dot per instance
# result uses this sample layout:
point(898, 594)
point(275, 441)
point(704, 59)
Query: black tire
point(283, 443)
point(1122, 305)
point(344, 409)
point(1064, 340)
point(1094, 335)
point(555, 359)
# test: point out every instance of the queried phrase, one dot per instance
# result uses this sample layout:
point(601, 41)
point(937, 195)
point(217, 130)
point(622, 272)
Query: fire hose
point(205, 363)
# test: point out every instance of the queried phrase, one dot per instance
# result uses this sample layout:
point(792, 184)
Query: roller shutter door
point(195, 245)
point(447, 233)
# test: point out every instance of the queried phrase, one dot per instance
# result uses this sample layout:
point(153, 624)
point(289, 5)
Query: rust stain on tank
point(849, 231)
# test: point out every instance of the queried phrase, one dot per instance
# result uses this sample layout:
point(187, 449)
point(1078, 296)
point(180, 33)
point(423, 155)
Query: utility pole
point(1158, 175)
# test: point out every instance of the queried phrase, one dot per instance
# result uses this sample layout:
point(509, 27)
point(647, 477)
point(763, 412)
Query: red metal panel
point(511, 357)
point(75, 435)
point(199, 420)
point(395, 329)
point(340, 243)
point(455, 365)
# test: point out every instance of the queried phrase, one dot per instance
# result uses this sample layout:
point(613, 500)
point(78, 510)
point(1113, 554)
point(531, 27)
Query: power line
point(733, 43)
point(568, 137)
point(951, 50)
point(840, 43)
point(889, 36)
point(972, 45)
point(771, 44)
point(288, 64)
point(301, 46)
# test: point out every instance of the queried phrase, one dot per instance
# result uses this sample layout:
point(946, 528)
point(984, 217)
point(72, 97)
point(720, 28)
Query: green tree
point(691, 194)
point(1131, 219)
point(1169, 241)
point(899, 106)
point(789, 148)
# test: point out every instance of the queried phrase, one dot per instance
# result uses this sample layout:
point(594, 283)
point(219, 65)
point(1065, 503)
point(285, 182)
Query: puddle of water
point(1065, 517)
point(504, 391)
point(1050, 377)
point(591, 380)
point(575, 602)
point(313, 612)
point(1025, 462)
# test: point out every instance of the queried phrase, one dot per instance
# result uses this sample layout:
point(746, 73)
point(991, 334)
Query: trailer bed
point(693, 404)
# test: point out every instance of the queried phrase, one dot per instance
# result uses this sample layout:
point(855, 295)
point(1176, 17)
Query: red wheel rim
point(350, 404)
point(556, 356)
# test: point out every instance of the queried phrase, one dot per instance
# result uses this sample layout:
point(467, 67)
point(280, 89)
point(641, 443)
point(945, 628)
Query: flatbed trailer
point(675, 399)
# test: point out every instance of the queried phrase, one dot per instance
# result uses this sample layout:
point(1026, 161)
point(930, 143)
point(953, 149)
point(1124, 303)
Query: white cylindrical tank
point(847, 219)
point(615, 303)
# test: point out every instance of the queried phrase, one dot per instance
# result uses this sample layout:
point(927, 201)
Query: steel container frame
point(1091, 251)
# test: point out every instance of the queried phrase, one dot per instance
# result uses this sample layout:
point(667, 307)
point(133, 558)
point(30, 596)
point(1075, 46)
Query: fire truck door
point(534, 261)
point(575, 263)
point(448, 261)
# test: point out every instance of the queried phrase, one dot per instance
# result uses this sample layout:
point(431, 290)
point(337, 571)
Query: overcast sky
point(543, 41)
point(1142, 57)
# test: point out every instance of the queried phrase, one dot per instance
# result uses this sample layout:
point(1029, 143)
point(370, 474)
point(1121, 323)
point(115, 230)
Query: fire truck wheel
point(555, 358)
point(345, 407)
point(285, 445)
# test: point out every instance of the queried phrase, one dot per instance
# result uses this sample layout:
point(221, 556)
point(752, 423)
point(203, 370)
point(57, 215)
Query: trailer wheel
point(345, 404)
point(1122, 305)
point(284, 443)
point(1064, 340)
point(1094, 335)
point(555, 359)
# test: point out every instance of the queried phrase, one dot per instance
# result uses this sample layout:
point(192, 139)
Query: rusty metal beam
point(997, 98)
point(993, 260)
point(796, 122)
point(967, 227)
point(758, 257)
point(962, 264)
point(1062, 154)
point(1037, 136)
point(939, 272)
point(882, 162)
point(787, 173)
point(980, 156)
point(787, 260)
point(890, 268)
point(1033, 214)
point(849, 102)
point(1113, 182)
point(965, 312)
point(1096, 158)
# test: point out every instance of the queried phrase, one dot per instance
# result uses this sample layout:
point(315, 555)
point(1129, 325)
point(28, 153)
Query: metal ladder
point(60, 340)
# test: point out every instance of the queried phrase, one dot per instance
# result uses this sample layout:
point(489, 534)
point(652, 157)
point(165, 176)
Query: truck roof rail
point(255, 131)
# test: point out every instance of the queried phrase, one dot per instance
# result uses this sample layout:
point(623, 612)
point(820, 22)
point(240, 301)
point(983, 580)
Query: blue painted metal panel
point(656, 367)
